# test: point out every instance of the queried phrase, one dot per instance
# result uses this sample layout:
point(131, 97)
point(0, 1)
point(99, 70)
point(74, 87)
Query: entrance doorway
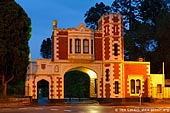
point(43, 91)
point(80, 84)
point(76, 85)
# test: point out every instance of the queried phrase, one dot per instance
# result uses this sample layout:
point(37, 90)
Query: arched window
point(132, 86)
point(137, 86)
point(77, 46)
point(85, 46)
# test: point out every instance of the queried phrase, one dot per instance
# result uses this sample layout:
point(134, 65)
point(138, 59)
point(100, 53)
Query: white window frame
point(86, 46)
point(135, 77)
point(77, 46)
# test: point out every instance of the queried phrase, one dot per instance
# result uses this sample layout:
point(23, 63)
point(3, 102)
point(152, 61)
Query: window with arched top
point(137, 86)
point(85, 46)
point(132, 86)
point(77, 46)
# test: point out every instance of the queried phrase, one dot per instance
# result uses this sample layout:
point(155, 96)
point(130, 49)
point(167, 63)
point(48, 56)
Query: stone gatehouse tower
point(100, 54)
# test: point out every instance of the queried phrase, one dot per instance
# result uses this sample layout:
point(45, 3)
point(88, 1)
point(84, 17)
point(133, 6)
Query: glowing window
point(132, 86)
point(159, 88)
point(137, 86)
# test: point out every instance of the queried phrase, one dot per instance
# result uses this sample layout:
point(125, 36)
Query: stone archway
point(76, 85)
point(86, 77)
point(42, 91)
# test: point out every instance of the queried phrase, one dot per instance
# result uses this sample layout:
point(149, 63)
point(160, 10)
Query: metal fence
point(160, 92)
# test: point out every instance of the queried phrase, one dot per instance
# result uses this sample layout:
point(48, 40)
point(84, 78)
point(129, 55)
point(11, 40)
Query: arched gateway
point(91, 81)
point(99, 54)
point(50, 72)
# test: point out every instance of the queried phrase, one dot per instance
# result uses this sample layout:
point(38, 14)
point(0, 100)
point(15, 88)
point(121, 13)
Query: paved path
point(86, 109)
point(91, 102)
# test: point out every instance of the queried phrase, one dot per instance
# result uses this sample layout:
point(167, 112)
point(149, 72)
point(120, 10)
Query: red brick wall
point(116, 70)
point(136, 69)
point(59, 87)
point(146, 88)
point(106, 19)
point(63, 33)
point(115, 19)
point(99, 35)
point(106, 48)
point(101, 87)
point(98, 48)
point(63, 46)
point(107, 90)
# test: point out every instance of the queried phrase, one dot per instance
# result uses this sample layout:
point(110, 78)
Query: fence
point(160, 93)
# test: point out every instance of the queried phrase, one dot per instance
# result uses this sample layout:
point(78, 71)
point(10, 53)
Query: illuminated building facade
point(98, 53)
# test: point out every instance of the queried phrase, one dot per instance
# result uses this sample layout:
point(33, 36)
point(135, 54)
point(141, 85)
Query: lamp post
point(140, 97)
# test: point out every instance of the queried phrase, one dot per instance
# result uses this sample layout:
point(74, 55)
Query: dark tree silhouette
point(93, 15)
point(46, 48)
point(146, 30)
point(14, 36)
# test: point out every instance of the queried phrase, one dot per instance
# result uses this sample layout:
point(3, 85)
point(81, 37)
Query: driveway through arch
point(86, 83)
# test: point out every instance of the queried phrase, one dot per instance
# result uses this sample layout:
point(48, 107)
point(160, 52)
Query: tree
point(151, 9)
point(136, 31)
point(14, 36)
point(46, 48)
point(93, 15)
point(154, 13)
point(129, 9)
point(140, 42)
point(146, 30)
point(162, 51)
point(139, 20)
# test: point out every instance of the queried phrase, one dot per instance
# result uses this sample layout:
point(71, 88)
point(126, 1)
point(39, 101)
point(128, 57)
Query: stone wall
point(14, 102)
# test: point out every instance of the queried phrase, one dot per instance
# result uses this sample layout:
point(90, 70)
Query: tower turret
point(111, 26)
